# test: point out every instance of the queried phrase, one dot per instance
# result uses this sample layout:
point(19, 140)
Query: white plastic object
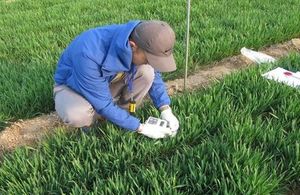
point(155, 128)
point(284, 76)
point(156, 122)
point(257, 57)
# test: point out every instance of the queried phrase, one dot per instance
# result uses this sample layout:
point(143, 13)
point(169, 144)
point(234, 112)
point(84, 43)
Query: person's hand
point(168, 115)
point(155, 132)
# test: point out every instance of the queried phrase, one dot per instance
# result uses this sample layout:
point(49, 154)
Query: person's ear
point(133, 46)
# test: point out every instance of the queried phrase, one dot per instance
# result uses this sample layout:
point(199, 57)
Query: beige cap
point(157, 39)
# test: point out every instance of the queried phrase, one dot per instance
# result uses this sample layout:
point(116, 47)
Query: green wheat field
point(239, 136)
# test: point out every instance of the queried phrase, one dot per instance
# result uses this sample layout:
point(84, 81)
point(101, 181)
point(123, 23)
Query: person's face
point(138, 54)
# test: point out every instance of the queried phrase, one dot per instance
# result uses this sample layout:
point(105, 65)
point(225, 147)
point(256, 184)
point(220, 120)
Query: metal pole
point(187, 42)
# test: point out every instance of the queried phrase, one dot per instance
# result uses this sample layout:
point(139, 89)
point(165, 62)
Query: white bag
point(284, 76)
point(257, 57)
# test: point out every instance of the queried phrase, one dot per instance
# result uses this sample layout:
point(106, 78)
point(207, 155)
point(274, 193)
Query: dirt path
point(217, 70)
point(30, 131)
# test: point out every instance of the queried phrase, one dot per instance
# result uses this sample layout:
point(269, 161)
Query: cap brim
point(161, 63)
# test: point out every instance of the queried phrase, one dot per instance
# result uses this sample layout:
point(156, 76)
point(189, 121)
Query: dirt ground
point(29, 132)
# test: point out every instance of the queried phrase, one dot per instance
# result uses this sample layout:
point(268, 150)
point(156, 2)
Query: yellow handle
point(132, 106)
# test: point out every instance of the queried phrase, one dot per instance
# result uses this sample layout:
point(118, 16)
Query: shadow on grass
point(3, 125)
point(294, 190)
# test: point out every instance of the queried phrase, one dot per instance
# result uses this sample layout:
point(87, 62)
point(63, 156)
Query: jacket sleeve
point(90, 84)
point(158, 92)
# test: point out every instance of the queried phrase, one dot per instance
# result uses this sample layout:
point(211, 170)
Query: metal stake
point(187, 42)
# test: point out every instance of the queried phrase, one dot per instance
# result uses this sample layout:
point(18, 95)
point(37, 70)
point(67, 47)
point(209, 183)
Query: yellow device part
point(132, 106)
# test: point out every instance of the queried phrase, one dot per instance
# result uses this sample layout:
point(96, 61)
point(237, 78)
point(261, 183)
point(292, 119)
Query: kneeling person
point(105, 69)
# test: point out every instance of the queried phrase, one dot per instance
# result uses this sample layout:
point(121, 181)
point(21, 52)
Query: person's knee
point(78, 117)
point(146, 73)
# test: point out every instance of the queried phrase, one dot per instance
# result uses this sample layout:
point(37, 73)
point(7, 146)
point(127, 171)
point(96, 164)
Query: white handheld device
point(157, 122)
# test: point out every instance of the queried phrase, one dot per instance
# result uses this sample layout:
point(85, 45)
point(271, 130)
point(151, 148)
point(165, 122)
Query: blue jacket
point(93, 59)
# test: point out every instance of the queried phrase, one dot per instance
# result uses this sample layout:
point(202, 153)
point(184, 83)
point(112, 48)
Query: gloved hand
point(171, 118)
point(154, 132)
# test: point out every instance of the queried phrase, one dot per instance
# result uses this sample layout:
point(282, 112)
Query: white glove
point(171, 118)
point(155, 133)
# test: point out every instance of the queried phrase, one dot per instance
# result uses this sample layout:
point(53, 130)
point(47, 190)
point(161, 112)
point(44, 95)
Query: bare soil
point(29, 132)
